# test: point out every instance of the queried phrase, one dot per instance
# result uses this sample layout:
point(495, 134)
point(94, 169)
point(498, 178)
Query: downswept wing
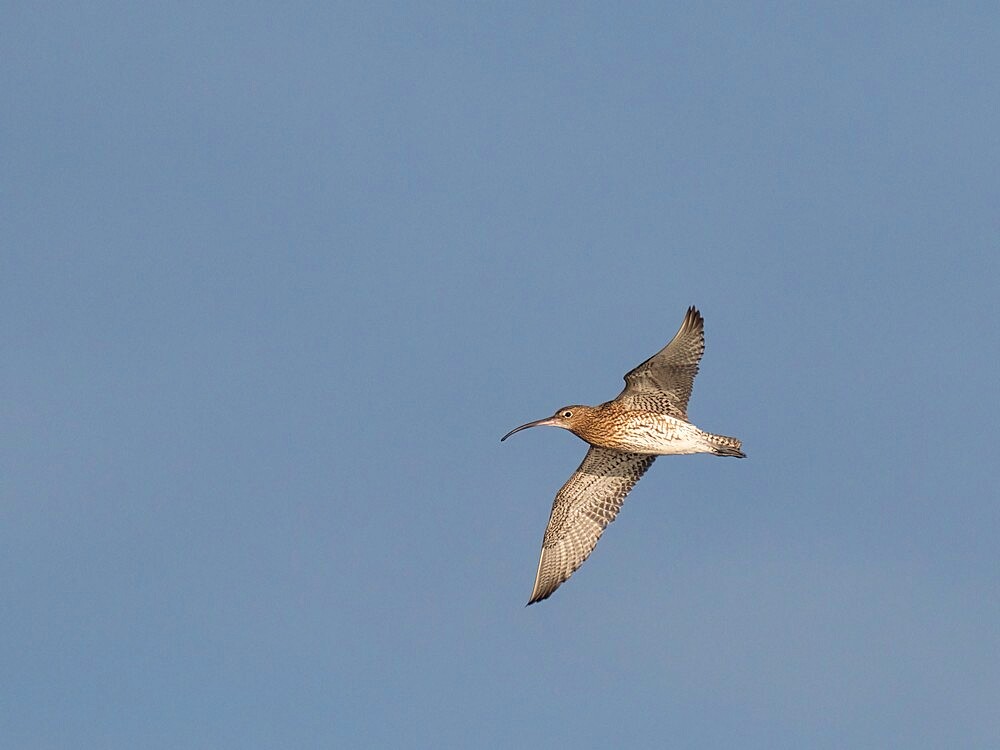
point(585, 505)
point(663, 382)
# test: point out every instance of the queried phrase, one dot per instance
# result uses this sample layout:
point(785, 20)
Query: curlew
point(646, 420)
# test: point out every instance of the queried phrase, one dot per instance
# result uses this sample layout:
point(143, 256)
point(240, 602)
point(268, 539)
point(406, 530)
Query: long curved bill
point(536, 423)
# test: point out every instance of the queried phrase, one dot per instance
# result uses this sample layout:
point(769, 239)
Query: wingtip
point(537, 596)
point(693, 319)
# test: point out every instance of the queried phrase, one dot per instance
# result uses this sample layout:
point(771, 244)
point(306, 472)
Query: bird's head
point(568, 417)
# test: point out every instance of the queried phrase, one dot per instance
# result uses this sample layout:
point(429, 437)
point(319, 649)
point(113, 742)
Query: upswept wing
point(663, 382)
point(585, 505)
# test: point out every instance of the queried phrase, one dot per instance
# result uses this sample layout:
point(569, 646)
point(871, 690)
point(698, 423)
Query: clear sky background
point(276, 278)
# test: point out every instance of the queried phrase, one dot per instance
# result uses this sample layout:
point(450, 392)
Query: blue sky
point(276, 278)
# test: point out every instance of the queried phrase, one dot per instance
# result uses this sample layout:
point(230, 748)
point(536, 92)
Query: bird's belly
point(658, 434)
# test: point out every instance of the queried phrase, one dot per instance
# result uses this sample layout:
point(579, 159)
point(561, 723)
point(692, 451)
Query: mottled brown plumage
point(647, 419)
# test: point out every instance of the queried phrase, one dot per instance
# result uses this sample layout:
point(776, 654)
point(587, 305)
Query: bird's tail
point(722, 445)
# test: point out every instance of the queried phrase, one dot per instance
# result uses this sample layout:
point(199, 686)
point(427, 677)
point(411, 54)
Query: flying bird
point(646, 420)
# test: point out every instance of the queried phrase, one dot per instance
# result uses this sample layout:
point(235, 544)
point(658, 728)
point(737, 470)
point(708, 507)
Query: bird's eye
point(567, 414)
